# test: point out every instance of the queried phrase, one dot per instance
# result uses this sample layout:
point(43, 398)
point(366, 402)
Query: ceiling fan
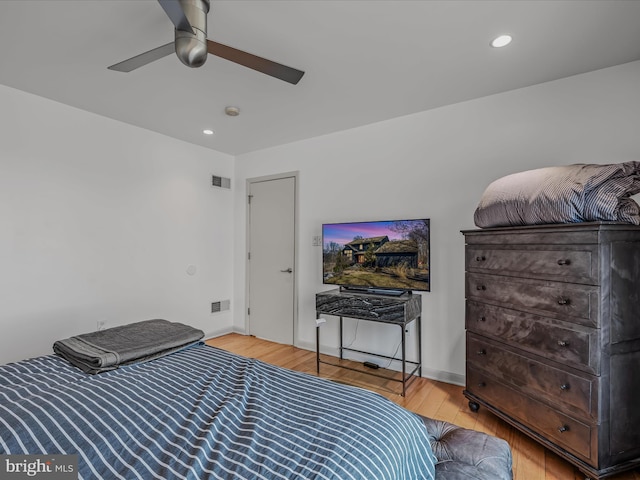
point(192, 46)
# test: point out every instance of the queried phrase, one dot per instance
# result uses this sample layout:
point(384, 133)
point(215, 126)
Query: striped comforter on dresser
point(203, 413)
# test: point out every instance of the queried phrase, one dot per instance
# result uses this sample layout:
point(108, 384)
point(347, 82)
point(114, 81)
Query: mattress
point(205, 413)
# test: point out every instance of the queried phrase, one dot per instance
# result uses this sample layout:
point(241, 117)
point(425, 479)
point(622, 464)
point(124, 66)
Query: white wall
point(436, 164)
point(99, 221)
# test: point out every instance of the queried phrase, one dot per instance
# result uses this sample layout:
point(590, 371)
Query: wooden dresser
point(553, 337)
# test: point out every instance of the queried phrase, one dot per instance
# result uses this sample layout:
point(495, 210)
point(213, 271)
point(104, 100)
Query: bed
point(204, 413)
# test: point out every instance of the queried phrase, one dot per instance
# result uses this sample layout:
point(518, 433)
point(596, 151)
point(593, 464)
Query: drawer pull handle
point(482, 384)
point(565, 386)
point(482, 351)
point(563, 428)
point(480, 258)
point(564, 301)
point(565, 261)
point(483, 319)
point(563, 343)
point(481, 287)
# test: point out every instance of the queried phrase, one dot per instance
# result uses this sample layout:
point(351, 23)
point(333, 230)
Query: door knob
point(288, 270)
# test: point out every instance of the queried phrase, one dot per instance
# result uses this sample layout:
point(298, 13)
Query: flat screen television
point(391, 256)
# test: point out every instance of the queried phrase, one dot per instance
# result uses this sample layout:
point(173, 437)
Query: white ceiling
point(365, 61)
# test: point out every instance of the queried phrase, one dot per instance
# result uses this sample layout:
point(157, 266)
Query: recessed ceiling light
point(232, 111)
point(501, 41)
point(207, 132)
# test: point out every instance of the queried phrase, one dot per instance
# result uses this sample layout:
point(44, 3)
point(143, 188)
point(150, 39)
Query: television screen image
point(383, 255)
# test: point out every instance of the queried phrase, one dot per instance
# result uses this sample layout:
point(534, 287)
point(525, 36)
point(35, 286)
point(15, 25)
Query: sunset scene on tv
point(387, 255)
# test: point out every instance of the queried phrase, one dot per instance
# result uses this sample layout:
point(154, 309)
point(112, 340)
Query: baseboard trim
point(217, 333)
point(442, 376)
point(438, 375)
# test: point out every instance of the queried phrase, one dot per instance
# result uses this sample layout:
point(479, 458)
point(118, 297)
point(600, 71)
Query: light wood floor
point(433, 399)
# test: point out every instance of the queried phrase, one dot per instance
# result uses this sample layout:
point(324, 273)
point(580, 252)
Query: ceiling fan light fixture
point(232, 111)
point(191, 47)
point(501, 41)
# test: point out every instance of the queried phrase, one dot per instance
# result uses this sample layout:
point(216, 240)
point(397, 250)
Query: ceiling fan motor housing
point(192, 49)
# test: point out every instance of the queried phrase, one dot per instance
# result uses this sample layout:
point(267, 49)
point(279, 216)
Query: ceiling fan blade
point(174, 11)
point(260, 64)
point(144, 58)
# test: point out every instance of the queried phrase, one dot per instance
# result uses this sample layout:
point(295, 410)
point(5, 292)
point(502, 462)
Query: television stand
point(399, 311)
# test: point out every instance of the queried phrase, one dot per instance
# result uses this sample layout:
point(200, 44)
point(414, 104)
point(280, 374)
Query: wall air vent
point(220, 306)
point(221, 182)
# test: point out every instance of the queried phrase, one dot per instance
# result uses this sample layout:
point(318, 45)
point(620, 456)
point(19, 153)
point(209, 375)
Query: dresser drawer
point(553, 386)
point(543, 262)
point(563, 430)
point(572, 345)
point(565, 301)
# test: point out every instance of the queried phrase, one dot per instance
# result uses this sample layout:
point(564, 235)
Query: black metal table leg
point(419, 339)
point(317, 345)
point(404, 361)
point(341, 338)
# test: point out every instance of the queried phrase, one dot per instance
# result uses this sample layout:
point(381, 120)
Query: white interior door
point(271, 255)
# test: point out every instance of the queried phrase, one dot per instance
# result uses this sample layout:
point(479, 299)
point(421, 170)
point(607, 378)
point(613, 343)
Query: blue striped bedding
point(563, 194)
point(203, 413)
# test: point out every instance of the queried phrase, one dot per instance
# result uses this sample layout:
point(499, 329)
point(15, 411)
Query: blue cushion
point(464, 454)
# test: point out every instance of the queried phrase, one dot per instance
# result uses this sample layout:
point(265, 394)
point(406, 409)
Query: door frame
point(247, 267)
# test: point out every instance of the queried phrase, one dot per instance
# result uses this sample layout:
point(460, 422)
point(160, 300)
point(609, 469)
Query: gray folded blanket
point(108, 349)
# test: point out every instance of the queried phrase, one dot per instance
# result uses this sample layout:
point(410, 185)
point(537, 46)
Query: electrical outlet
point(100, 325)
point(317, 241)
